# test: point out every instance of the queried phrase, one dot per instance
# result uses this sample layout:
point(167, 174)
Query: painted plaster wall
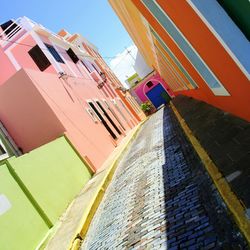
point(21, 225)
point(20, 52)
point(68, 101)
point(7, 68)
point(45, 107)
point(54, 174)
point(26, 116)
point(142, 89)
point(211, 51)
point(227, 29)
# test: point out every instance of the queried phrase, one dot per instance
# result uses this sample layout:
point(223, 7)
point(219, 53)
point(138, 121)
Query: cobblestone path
point(162, 198)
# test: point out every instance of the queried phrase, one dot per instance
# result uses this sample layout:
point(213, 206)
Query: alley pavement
point(161, 197)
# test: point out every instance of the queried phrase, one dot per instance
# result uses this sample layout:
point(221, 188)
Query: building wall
point(54, 174)
point(113, 85)
point(198, 37)
point(141, 67)
point(7, 68)
point(36, 189)
point(18, 217)
point(45, 107)
point(48, 104)
point(141, 89)
point(26, 115)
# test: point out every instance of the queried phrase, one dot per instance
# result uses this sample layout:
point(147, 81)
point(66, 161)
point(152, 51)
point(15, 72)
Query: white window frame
point(5, 155)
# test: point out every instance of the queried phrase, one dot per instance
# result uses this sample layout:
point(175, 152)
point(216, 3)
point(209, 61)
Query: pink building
point(154, 89)
point(50, 86)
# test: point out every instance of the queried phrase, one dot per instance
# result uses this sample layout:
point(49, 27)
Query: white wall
point(141, 67)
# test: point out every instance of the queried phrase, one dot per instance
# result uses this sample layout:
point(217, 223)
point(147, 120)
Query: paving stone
point(161, 197)
point(225, 137)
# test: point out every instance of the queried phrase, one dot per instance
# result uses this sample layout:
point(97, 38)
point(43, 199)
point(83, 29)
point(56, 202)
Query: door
point(158, 96)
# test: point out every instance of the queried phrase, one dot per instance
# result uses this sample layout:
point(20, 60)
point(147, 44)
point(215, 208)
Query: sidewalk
point(161, 196)
point(225, 138)
point(76, 219)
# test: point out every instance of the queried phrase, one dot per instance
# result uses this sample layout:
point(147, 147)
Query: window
point(149, 84)
point(39, 58)
point(9, 28)
point(54, 53)
point(102, 120)
point(88, 65)
point(96, 68)
point(92, 114)
point(239, 12)
point(72, 55)
point(3, 151)
point(109, 118)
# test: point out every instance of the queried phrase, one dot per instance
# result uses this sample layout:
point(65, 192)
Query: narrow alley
point(162, 197)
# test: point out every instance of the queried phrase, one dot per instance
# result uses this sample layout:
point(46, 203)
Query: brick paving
point(225, 137)
point(162, 198)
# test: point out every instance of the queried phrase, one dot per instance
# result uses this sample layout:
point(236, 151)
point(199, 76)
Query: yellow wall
point(132, 20)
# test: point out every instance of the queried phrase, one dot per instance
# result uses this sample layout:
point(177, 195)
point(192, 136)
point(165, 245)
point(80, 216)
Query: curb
point(231, 200)
point(84, 225)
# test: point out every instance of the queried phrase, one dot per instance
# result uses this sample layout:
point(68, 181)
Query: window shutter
point(39, 58)
point(72, 55)
point(54, 53)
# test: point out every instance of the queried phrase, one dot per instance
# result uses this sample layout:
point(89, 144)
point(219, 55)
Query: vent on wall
point(39, 58)
point(149, 84)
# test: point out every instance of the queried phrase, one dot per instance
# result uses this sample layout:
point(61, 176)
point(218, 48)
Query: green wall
point(21, 225)
point(53, 174)
point(39, 186)
point(7, 146)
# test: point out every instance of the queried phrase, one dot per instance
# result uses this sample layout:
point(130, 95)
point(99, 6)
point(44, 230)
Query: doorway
point(103, 121)
point(158, 95)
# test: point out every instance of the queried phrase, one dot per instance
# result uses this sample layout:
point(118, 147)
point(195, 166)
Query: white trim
point(153, 88)
point(92, 114)
point(91, 101)
point(175, 60)
point(170, 66)
point(65, 61)
point(6, 155)
point(16, 42)
point(219, 38)
point(13, 60)
point(216, 91)
point(41, 44)
point(173, 79)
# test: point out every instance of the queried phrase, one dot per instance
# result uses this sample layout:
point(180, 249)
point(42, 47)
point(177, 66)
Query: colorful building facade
point(51, 84)
point(200, 48)
point(154, 89)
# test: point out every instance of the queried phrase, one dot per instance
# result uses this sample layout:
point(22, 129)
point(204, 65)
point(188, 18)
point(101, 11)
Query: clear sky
point(94, 19)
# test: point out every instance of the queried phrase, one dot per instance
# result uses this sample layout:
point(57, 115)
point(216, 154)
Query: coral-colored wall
point(27, 117)
point(142, 89)
point(44, 107)
point(36, 107)
point(20, 52)
point(67, 99)
point(7, 68)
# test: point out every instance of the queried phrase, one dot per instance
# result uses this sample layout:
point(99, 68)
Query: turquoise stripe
point(174, 58)
point(190, 53)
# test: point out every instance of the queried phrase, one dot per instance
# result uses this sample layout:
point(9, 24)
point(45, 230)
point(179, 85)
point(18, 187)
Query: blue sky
point(94, 19)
